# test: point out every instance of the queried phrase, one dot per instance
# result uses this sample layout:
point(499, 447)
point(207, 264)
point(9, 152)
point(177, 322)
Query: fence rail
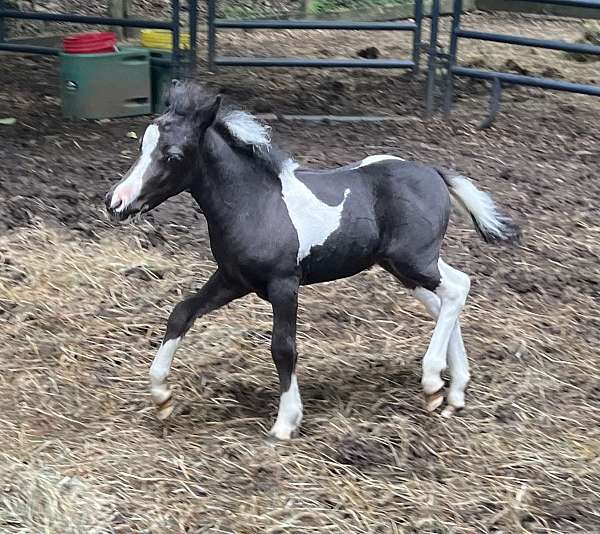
point(317, 63)
point(565, 46)
point(567, 3)
point(85, 19)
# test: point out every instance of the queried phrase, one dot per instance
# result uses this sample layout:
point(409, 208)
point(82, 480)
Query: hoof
point(164, 404)
point(449, 411)
point(456, 398)
point(281, 434)
point(434, 401)
point(273, 439)
point(165, 410)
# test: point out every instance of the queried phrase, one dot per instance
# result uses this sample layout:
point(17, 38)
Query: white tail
point(491, 224)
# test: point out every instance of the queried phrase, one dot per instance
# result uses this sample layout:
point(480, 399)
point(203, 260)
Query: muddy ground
point(83, 304)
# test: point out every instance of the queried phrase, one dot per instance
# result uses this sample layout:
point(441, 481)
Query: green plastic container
point(101, 86)
point(160, 74)
point(161, 78)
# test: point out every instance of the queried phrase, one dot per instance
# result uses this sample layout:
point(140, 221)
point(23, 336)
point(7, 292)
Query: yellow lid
point(163, 39)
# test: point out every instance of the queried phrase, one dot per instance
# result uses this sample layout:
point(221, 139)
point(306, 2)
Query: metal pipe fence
point(499, 77)
point(432, 59)
point(173, 25)
point(437, 60)
point(214, 24)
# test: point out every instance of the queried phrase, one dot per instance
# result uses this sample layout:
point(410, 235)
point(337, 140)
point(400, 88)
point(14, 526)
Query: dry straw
point(82, 452)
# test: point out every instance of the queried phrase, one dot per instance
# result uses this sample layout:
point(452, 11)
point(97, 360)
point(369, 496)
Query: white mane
point(247, 129)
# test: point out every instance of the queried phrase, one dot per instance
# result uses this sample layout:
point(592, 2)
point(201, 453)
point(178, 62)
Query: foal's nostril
point(111, 203)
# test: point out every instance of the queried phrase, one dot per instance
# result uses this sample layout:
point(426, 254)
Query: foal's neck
point(230, 182)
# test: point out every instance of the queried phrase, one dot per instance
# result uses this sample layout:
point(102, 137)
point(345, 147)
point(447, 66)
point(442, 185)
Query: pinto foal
point(274, 227)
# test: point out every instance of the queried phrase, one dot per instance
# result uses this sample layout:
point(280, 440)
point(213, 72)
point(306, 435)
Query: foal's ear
point(210, 115)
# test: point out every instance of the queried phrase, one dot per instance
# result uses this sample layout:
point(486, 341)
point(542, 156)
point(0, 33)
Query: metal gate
point(215, 24)
point(450, 64)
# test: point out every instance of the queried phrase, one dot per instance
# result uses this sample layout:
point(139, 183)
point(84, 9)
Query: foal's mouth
point(128, 214)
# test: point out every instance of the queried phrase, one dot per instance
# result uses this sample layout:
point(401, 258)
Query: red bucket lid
point(90, 43)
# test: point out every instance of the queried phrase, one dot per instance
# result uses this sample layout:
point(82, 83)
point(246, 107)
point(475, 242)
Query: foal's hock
point(274, 227)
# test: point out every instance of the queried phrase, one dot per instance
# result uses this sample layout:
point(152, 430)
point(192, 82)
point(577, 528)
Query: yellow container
point(163, 39)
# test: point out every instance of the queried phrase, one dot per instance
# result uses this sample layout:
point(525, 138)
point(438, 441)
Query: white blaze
point(313, 220)
point(376, 159)
point(129, 190)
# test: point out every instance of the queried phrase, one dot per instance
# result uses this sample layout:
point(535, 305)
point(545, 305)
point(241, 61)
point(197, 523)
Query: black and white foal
point(274, 227)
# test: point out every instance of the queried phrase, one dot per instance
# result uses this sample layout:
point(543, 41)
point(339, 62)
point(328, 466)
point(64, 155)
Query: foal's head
point(169, 152)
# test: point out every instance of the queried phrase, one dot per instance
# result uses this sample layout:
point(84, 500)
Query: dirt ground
point(83, 304)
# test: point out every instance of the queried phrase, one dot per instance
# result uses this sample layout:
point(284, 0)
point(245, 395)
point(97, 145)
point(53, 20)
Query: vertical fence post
point(432, 58)
point(2, 26)
point(417, 35)
point(212, 34)
point(193, 14)
point(119, 9)
point(452, 51)
point(175, 55)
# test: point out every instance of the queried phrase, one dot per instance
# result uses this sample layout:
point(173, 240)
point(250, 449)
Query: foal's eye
point(173, 155)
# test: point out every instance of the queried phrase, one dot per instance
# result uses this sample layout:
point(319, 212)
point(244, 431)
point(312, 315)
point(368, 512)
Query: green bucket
point(161, 75)
point(99, 86)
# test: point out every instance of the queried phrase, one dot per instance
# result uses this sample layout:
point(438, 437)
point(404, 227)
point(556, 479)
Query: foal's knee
point(454, 289)
point(283, 352)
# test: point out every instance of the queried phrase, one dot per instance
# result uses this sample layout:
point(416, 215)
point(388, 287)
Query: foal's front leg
point(214, 294)
point(283, 295)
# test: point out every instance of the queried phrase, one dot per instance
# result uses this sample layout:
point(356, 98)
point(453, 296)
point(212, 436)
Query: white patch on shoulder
point(313, 219)
point(129, 190)
point(376, 159)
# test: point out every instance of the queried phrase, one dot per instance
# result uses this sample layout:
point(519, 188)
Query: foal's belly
point(348, 251)
point(317, 272)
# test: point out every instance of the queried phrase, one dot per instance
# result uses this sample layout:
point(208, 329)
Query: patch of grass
point(313, 7)
point(329, 6)
point(239, 12)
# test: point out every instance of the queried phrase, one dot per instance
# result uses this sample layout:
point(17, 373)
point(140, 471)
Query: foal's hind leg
point(457, 356)
point(452, 292)
point(214, 294)
point(450, 289)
